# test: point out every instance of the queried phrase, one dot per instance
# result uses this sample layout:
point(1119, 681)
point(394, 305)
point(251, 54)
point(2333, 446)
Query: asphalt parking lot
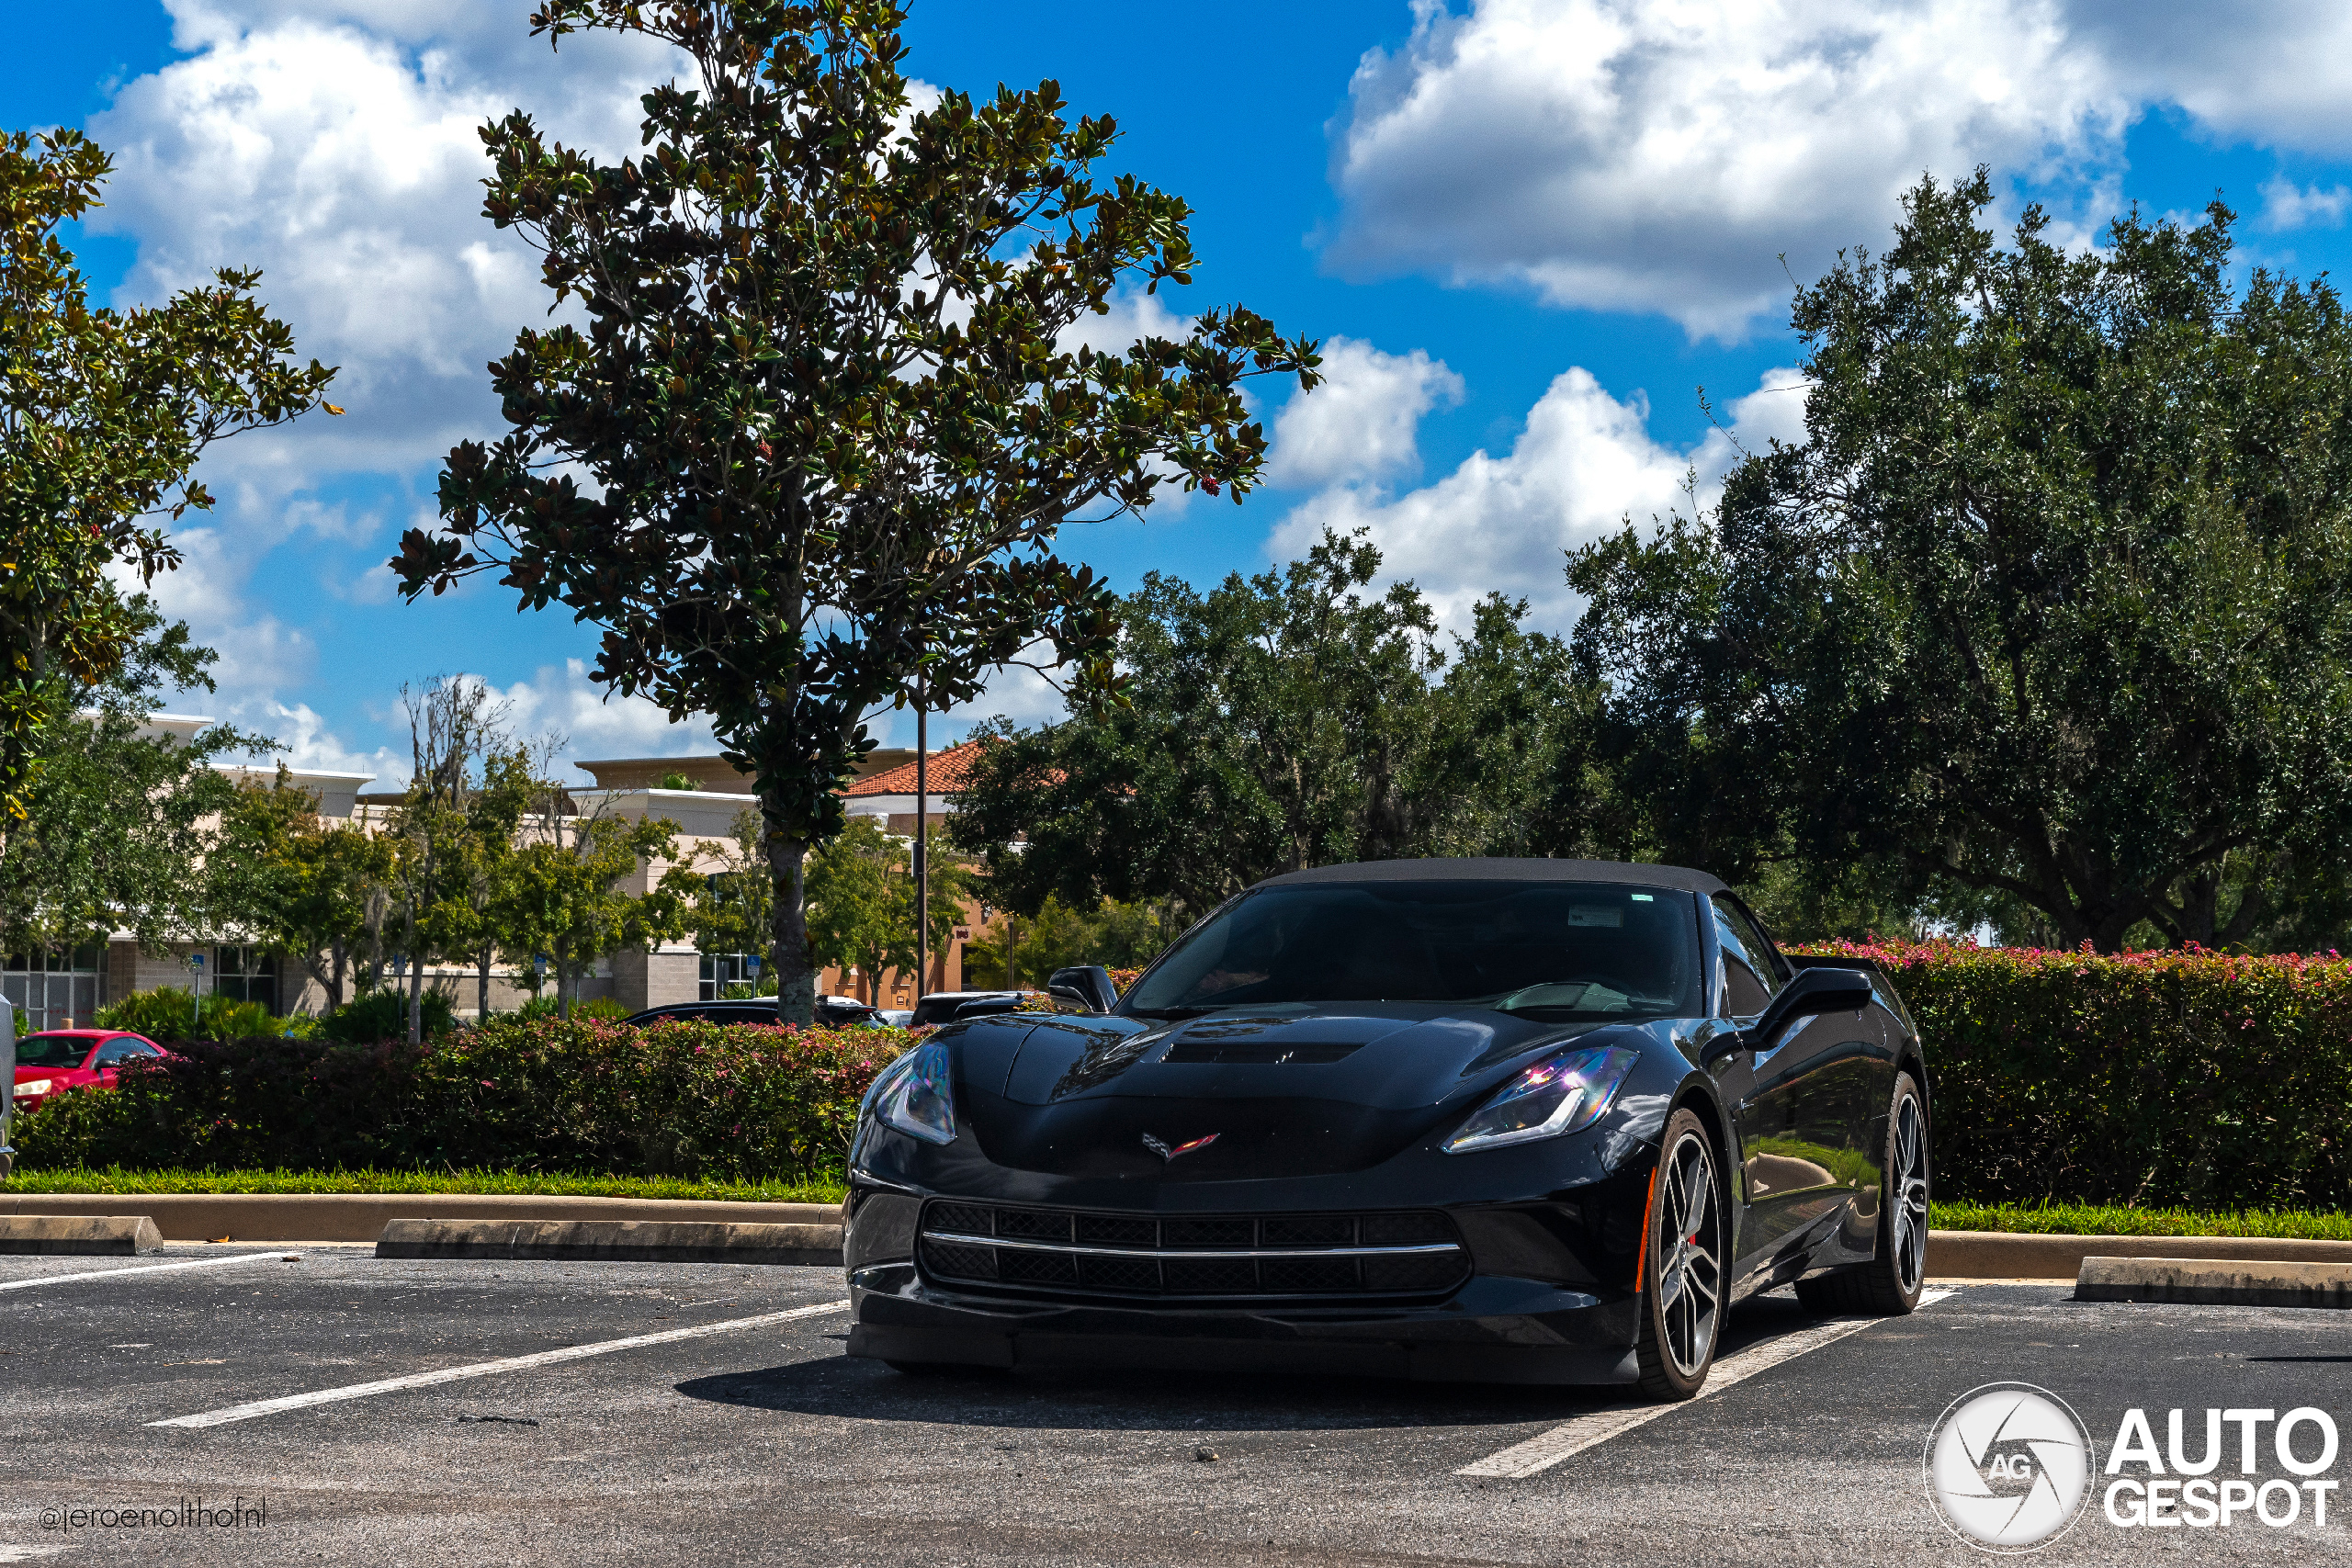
point(758, 1442)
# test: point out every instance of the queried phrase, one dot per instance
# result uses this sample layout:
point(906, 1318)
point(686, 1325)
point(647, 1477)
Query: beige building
point(57, 988)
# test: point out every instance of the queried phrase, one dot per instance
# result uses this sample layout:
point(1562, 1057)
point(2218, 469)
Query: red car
point(58, 1059)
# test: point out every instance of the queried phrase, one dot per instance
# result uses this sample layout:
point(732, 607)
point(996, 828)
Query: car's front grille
point(1060, 1251)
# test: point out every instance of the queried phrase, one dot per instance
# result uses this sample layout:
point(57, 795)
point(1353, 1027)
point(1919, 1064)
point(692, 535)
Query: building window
point(245, 974)
point(54, 990)
point(720, 970)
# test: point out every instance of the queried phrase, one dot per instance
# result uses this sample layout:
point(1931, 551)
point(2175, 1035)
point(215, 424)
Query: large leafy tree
point(103, 415)
point(1286, 720)
point(831, 402)
point(2052, 605)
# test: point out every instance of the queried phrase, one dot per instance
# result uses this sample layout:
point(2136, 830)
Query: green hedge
point(2201, 1080)
point(684, 1098)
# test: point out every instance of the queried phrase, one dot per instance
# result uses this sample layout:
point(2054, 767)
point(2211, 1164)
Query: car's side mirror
point(1814, 991)
point(1084, 985)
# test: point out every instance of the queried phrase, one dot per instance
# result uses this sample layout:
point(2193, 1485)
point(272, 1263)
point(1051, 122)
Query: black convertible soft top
point(1504, 869)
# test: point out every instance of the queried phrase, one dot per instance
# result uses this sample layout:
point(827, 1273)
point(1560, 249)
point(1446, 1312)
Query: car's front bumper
point(1491, 1330)
point(1549, 1299)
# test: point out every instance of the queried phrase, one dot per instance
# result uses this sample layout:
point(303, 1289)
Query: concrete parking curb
point(342, 1216)
point(607, 1241)
point(79, 1235)
point(361, 1217)
point(2198, 1282)
point(2002, 1255)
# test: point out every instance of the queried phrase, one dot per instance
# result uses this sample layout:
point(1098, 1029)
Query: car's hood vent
point(1261, 1053)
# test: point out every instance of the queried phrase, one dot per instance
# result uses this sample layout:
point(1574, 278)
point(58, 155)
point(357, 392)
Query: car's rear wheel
point(1890, 1283)
point(1681, 1280)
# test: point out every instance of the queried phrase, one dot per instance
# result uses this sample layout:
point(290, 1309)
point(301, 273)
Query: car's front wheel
point(1890, 1283)
point(1682, 1267)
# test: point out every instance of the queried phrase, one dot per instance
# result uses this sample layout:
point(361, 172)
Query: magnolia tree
point(829, 398)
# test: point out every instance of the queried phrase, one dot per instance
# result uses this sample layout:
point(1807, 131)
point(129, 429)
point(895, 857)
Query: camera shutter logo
point(2008, 1467)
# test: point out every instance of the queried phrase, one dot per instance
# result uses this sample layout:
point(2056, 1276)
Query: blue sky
point(1531, 229)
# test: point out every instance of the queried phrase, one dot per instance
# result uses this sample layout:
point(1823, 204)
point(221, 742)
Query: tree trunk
point(563, 986)
point(481, 989)
point(796, 978)
point(334, 986)
point(416, 999)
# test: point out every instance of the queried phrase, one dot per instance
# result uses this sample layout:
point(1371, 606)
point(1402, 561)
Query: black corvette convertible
point(1529, 1121)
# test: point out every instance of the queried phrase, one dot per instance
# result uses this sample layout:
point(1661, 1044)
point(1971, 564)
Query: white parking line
point(148, 1268)
point(486, 1368)
point(1541, 1452)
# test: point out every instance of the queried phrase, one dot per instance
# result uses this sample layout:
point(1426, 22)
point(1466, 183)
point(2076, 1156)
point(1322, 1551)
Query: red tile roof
point(948, 771)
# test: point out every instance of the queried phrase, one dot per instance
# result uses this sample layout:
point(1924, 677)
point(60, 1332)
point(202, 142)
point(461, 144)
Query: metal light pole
point(195, 962)
point(922, 846)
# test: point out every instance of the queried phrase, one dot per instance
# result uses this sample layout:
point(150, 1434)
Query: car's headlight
point(913, 1095)
point(1561, 1094)
point(33, 1086)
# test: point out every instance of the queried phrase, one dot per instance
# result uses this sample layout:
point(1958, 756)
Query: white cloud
point(336, 148)
point(1666, 155)
point(2286, 205)
point(1584, 463)
point(1363, 421)
point(564, 700)
point(2278, 72)
point(305, 742)
point(1661, 157)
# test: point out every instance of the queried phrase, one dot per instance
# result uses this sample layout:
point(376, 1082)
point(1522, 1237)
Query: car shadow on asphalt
point(1153, 1401)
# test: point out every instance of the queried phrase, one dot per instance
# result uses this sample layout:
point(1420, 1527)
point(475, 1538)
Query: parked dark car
point(832, 1012)
point(946, 1006)
point(1526, 1120)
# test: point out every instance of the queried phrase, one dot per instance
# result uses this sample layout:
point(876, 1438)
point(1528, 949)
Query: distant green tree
point(115, 829)
point(2053, 605)
point(827, 408)
point(726, 911)
point(103, 416)
point(862, 904)
point(1282, 721)
point(561, 892)
point(1025, 953)
point(295, 882)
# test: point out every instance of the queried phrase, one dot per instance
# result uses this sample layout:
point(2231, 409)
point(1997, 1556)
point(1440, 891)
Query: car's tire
point(1684, 1264)
point(1890, 1283)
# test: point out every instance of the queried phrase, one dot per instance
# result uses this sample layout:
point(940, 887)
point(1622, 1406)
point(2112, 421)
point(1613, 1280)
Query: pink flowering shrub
point(2204, 1080)
point(678, 1099)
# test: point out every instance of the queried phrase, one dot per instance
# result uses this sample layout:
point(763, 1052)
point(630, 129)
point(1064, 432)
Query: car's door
point(1801, 1150)
point(111, 1054)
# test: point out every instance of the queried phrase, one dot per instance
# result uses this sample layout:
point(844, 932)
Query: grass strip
point(2044, 1219)
point(2114, 1219)
point(532, 1183)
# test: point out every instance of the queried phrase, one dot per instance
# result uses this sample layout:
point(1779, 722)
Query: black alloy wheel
point(1682, 1269)
point(1890, 1283)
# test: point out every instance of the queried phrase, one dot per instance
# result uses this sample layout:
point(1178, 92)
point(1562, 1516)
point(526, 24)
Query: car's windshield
point(51, 1050)
point(1552, 949)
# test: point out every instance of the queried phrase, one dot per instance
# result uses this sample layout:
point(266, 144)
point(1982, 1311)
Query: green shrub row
point(684, 1099)
point(2201, 1080)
